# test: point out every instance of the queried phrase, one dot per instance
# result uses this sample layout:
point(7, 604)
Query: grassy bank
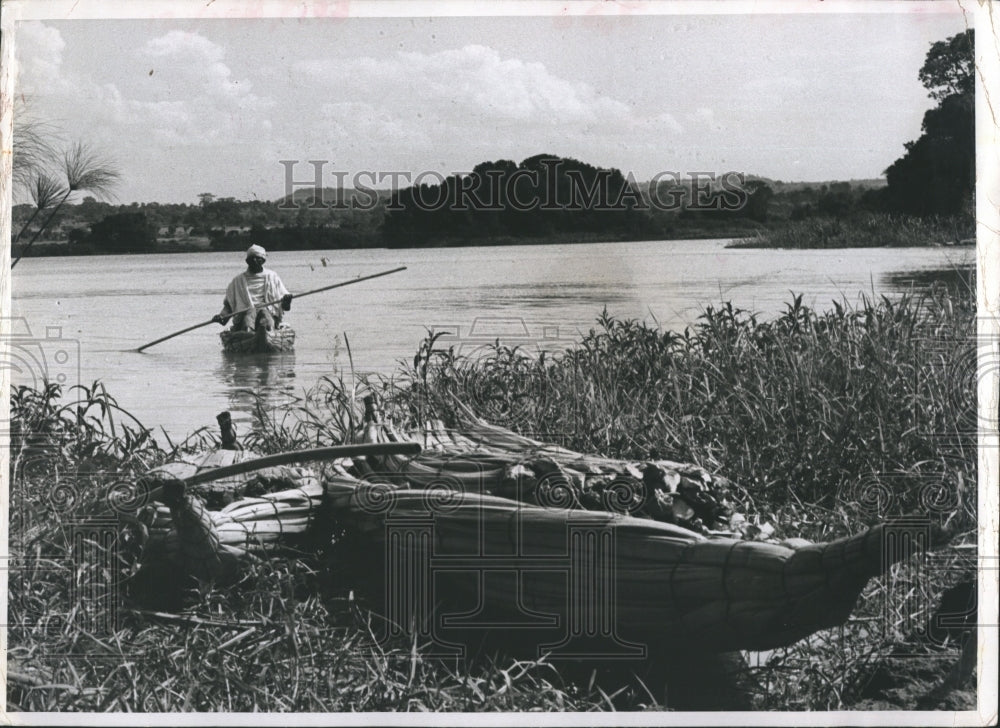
point(825, 421)
point(873, 230)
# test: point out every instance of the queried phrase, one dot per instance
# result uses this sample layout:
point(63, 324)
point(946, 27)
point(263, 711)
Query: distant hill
point(331, 196)
point(348, 196)
point(861, 184)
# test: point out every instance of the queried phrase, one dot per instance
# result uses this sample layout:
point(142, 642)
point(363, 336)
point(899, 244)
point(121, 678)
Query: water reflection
point(549, 295)
point(247, 379)
point(958, 278)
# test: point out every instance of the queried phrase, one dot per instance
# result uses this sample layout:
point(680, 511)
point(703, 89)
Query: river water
point(79, 319)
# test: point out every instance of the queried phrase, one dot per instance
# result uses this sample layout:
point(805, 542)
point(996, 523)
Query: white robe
point(238, 297)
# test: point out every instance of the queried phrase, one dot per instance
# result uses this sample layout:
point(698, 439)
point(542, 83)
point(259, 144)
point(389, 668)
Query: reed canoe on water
point(260, 341)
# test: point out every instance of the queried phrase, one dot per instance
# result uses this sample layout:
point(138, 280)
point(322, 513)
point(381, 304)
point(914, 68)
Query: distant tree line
point(497, 203)
point(296, 237)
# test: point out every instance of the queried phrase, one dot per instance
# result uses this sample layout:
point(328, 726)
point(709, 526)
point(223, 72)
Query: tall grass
point(876, 229)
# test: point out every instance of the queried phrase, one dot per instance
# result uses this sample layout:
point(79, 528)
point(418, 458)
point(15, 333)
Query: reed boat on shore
point(662, 579)
point(259, 341)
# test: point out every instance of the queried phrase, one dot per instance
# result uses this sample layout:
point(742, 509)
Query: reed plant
point(875, 229)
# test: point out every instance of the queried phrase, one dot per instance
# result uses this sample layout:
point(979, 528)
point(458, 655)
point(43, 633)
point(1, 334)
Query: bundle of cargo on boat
point(480, 457)
point(229, 503)
point(253, 522)
point(216, 493)
point(255, 512)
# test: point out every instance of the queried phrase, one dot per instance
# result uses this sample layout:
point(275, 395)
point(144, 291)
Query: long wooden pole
point(315, 454)
point(296, 456)
point(271, 303)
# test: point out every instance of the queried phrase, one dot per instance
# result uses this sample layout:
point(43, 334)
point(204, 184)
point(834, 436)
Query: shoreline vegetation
point(825, 422)
point(874, 230)
point(835, 215)
point(203, 245)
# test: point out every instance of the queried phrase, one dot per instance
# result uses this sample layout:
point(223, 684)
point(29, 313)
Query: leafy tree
point(758, 199)
point(127, 232)
point(949, 67)
point(937, 174)
point(543, 194)
point(90, 210)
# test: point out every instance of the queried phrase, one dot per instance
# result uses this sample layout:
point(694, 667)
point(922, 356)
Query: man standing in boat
point(252, 288)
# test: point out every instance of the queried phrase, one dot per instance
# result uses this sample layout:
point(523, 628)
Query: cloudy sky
point(191, 106)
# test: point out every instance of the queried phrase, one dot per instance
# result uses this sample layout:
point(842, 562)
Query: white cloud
point(189, 95)
point(477, 78)
point(180, 43)
point(702, 115)
point(455, 108)
point(345, 119)
point(473, 86)
point(187, 63)
point(39, 51)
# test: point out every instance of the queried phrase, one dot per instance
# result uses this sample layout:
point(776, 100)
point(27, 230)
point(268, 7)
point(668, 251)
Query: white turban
point(256, 250)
